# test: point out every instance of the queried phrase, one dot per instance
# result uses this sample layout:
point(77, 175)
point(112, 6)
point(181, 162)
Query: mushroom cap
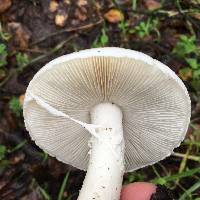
point(154, 101)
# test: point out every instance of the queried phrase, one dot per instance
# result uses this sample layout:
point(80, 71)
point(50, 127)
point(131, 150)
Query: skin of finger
point(137, 191)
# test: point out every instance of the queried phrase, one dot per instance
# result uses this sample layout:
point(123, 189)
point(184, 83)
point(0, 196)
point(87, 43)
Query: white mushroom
point(134, 111)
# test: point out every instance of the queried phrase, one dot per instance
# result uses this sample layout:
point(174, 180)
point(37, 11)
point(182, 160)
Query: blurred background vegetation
point(33, 32)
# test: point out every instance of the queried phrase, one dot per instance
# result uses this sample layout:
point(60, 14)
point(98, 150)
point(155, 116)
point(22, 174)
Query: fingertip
point(138, 191)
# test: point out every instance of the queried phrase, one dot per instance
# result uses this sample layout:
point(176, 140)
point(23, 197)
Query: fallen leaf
point(4, 5)
point(195, 15)
point(67, 2)
point(114, 16)
point(60, 19)
point(185, 73)
point(152, 4)
point(53, 6)
point(82, 3)
point(21, 99)
point(21, 35)
point(17, 158)
point(80, 15)
point(65, 194)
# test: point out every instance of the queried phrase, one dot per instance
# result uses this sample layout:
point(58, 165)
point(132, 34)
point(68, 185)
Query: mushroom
point(108, 111)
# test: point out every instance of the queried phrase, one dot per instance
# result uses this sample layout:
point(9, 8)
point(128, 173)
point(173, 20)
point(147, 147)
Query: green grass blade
point(134, 4)
point(192, 142)
point(174, 177)
point(60, 195)
point(18, 146)
point(44, 193)
point(190, 190)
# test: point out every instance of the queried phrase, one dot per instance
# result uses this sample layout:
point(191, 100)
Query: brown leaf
point(4, 5)
point(152, 4)
point(21, 34)
point(61, 18)
point(195, 15)
point(82, 3)
point(67, 2)
point(53, 6)
point(114, 16)
point(80, 15)
point(16, 159)
point(185, 74)
point(21, 99)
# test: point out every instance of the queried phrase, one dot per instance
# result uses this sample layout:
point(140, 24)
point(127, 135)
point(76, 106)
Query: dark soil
point(27, 173)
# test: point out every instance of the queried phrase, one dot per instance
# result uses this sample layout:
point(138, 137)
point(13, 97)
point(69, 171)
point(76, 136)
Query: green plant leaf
point(192, 63)
point(133, 177)
point(3, 165)
point(161, 181)
point(123, 26)
point(15, 106)
point(196, 74)
point(185, 46)
point(4, 35)
point(3, 55)
point(104, 38)
point(195, 84)
point(3, 63)
point(22, 60)
point(145, 28)
point(3, 151)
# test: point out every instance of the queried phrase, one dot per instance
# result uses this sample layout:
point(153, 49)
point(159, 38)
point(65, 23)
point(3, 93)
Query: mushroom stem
point(106, 166)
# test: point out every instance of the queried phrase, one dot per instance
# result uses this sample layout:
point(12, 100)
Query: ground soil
point(34, 32)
